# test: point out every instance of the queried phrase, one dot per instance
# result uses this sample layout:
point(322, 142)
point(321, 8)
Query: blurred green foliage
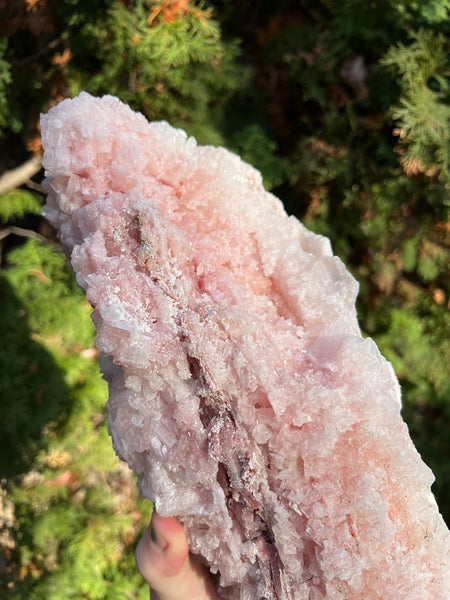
point(5, 80)
point(343, 106)
point(422, 113)
point(180, 70)
point(17, 203)
point(76, 511)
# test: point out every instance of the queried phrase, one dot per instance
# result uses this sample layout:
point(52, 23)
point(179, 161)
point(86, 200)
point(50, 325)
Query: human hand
point(163, 560)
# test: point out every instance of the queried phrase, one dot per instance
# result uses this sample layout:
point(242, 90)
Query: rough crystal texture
point(241, 391)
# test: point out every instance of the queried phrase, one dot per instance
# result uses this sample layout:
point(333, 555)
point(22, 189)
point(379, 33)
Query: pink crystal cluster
point(241, 391)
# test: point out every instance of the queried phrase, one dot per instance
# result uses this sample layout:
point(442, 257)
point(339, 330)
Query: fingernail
point(157, 539)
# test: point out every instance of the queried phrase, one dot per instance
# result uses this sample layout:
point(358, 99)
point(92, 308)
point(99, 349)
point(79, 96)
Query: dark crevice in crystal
point(275, 563)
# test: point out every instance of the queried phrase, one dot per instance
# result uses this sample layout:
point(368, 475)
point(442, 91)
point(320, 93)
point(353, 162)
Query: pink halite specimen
point(241, 391)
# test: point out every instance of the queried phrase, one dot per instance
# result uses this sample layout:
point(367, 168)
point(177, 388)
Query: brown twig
point(16, 177)
point(37, 187)
point(11, 229)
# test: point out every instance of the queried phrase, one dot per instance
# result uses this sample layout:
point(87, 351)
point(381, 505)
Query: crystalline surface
point(241, 390)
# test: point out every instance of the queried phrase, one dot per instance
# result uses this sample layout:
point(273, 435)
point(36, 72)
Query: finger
point(162, 558)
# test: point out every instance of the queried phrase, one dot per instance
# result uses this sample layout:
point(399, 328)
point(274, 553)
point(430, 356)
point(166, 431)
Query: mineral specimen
point(241, 390)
